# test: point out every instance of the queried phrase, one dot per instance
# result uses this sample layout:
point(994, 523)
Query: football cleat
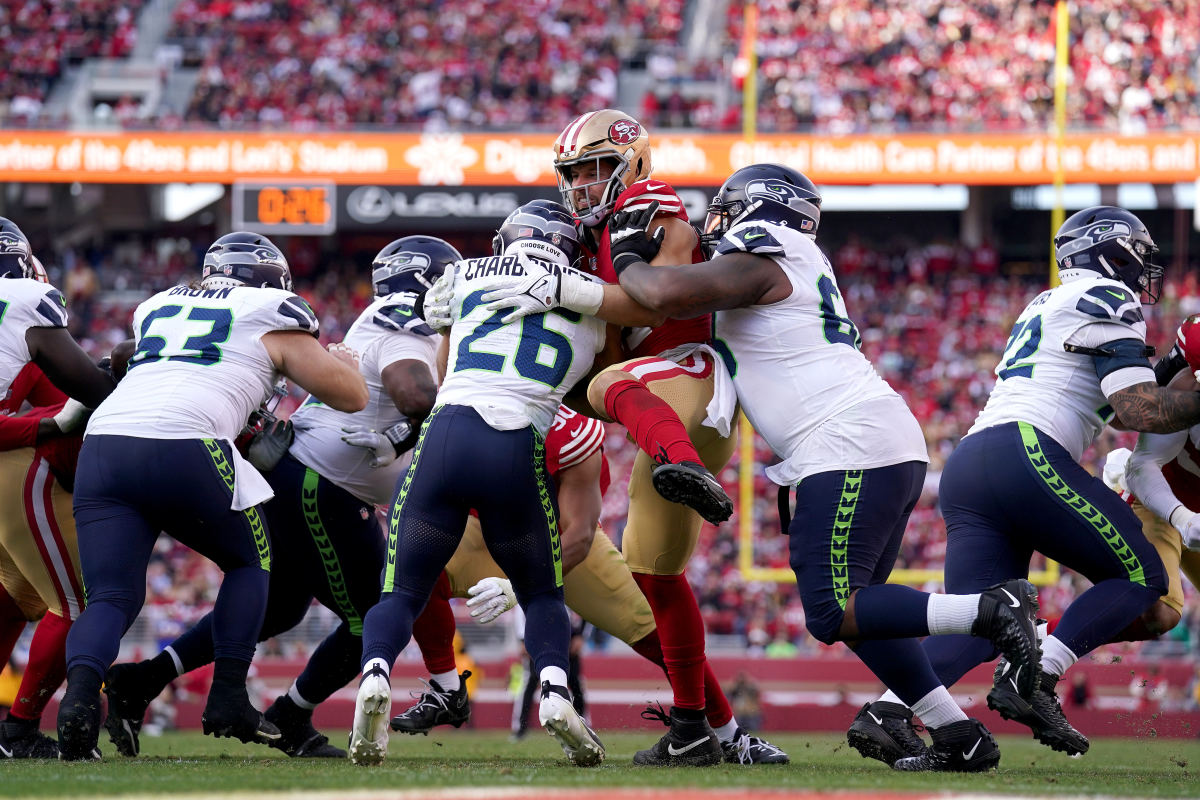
point(689, 742)
point(126, 707)
point(1008, 616)
point(560, 719)
point(885, 732)
point(21, 739)
point(369, 736)
point(964, 746)
point(228, 713)
point(79, 725)
point(746, 749)
point(694, 486)
point(1042, 713)
point(297, 736)
point(436, 706)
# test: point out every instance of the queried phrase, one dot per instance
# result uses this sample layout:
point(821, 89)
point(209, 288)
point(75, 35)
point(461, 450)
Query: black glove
point(628, 241)
point(270, 445)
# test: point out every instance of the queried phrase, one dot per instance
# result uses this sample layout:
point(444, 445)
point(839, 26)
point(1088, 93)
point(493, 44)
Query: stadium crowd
point(934, 319)
point(835, 66)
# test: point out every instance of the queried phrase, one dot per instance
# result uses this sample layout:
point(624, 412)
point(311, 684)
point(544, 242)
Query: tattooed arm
point(1149, 408)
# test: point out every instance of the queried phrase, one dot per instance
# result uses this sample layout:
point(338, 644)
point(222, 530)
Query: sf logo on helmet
point(624, 131)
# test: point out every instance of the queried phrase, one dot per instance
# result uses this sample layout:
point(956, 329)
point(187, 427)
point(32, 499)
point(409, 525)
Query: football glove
point(269, 445)
point(1191, 533)
point(629, 239)
point(72, 416)
point(1114, 469)
point(490, 598)
point(383, 451)
point(434, 307)
point(536, 293)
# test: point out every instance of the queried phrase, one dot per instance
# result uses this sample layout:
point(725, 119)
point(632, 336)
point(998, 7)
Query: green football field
point(191, 763)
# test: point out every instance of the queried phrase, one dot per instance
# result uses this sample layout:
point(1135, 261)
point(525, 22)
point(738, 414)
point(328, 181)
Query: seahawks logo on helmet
point(266, 255)
point(407, 259)
point(786, 194)
point(11, 243)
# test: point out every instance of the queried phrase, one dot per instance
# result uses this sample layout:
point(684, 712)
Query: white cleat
point(372, 710)
point(560, 719)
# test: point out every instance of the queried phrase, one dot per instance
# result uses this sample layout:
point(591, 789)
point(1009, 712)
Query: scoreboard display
point(304, 208)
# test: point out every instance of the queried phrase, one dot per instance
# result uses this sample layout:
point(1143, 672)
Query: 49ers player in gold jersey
point(660, 395)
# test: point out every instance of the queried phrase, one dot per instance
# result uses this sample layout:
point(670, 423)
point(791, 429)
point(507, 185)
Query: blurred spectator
point(746, 700)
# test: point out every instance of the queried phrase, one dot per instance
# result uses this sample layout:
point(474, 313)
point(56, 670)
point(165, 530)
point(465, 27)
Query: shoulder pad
point(296, 313)
point(38, 305)
point(401, 316)
point(1111, 302)
point(755, 239)
point(643, 193)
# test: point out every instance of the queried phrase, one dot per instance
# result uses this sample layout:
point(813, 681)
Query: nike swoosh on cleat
point(1013, 679)
point(967, 755)
point(7, 753)
point(1015, 602)
point(680, 751)
point(878, 721)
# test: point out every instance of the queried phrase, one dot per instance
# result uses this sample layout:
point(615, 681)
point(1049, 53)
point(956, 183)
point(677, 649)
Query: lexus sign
point(385, 208)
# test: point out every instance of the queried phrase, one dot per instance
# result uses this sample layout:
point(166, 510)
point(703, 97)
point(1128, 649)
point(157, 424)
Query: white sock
point(447, 680)
point(299, 700)
point(383, 665)
point(891, 697)
point(1043, 630)
point(556, 675)
point(1057, 658)
point(938, 708)
point(174, 659)
point(951, 613)
point(725, 732)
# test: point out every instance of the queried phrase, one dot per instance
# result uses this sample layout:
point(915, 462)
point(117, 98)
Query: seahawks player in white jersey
point(325, 536)
point(1075, 361)
point(158, 455)
point(846, 440)
point(482, 449)
point(33, 327)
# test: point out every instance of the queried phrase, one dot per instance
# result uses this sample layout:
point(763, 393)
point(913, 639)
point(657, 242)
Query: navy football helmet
point(411, 264)
point(16, 257)
point(767, 192)
point(249, 259)
point(545, 229)
point(1113, 242)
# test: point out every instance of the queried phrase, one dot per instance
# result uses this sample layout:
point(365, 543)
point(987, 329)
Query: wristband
point(1180, 517)
point(401, 435)
point(579, 294)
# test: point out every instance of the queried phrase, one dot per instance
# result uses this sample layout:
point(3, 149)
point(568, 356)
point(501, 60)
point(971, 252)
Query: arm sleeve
point(17, 432)
point(1143, 473)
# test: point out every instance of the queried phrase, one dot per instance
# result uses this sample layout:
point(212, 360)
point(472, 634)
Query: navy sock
point(95, 638)
point(1102, 612)
point(332, 665)
point(388, 625)
point(194, 647)
point(901, 665)
point(237, 616)
point(547, 630)
point(889, 611)
point(956, 654)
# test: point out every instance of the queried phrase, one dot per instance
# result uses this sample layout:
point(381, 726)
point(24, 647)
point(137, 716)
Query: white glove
point(490, 598)
point(384, 452)
point(542, 290)
point(1191, 533)
point(436, 306)
point(72, 415)
point(1114, 469)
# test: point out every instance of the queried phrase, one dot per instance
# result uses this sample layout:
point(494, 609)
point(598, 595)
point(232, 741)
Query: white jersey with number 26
point(514, 375)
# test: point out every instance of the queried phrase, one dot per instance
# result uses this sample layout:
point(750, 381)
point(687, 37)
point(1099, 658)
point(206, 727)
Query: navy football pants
point(461, 463)
point(1010, 490)
point(127, 490)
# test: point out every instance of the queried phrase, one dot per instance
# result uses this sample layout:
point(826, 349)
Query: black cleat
point(22, 739)
point(228, 713)
point(964, 746)
point(297, 736)
point(885, 732)
point(1008, 616)
point(688, 743)
point(436, 706)
point(694, 486)
point(79, 724)
point(1042, 713)
point(746, 749)
point(126, 707)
